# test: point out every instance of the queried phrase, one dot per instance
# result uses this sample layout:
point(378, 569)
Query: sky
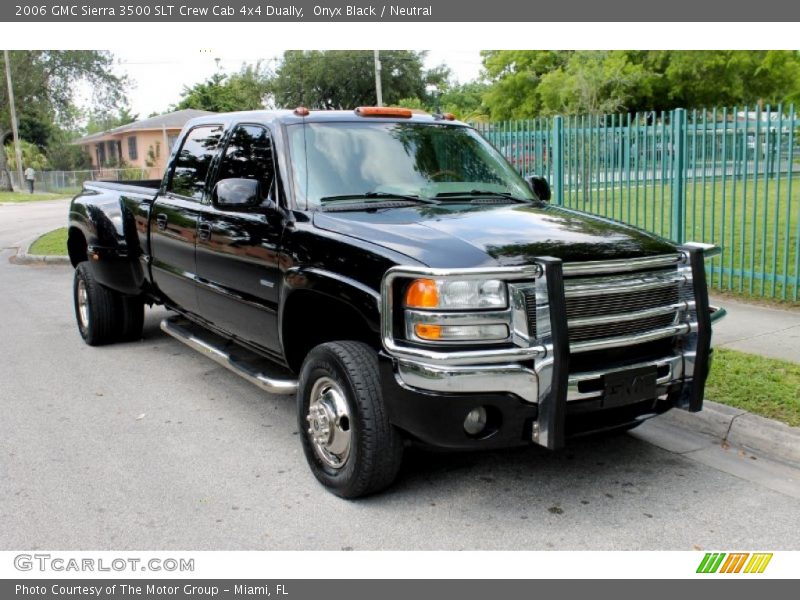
point(158, 80)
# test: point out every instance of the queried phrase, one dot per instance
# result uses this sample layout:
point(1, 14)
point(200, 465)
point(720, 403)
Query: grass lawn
point(764, 386)
point(51, 244)
point(26, 197)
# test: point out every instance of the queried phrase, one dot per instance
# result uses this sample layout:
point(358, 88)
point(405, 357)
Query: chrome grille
point(591, 332)
point(609, 306)
point(579, 307)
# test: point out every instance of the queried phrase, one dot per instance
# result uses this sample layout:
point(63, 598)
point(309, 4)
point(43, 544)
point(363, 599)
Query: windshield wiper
point(482, 194)
point(379, 196)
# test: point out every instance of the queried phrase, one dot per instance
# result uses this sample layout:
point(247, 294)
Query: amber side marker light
point(422, 293)
point(428, 332)
point(383, 111)
point(301, 111)
point(449, 117)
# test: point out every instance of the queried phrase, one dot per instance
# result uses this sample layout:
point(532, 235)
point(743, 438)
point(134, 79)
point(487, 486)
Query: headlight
point(457, 311)
point(455, 294)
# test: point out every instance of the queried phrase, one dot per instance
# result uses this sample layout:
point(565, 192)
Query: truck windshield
point(337, 161)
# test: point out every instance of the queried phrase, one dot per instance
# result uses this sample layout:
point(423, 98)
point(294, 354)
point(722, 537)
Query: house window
point(133, 152)
point(112, 153)
point(101, 154)
point(171, 139)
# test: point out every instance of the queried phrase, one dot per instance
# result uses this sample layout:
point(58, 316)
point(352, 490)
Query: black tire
point(131, 317)
point(97, 323)
point(376, 446)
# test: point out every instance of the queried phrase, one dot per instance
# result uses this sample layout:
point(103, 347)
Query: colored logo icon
point(734, 562)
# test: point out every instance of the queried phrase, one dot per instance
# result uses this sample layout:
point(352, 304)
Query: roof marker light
point(301, 111)
point(383, 111)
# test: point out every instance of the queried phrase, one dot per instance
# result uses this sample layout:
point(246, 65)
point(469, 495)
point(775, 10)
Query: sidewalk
point(762, 330)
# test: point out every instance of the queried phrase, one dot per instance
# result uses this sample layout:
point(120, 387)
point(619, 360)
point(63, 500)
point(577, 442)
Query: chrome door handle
point(204, 231)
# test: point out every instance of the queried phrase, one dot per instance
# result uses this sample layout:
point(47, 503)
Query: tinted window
point(429, 160)
point(193, 160)
point(249, 156)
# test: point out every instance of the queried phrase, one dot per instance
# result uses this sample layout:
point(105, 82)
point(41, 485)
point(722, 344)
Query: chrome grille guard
point(548, 352)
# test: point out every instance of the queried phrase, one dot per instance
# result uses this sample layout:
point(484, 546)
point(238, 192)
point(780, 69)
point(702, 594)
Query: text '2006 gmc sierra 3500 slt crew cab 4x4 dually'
point(396, 274)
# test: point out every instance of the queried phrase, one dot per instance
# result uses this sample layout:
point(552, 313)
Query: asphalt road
point(150, 446)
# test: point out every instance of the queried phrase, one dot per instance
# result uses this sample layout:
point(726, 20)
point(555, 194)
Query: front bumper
point(531, 391)
point(436, 417)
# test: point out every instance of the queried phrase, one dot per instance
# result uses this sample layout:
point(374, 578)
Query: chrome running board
point(255, 369)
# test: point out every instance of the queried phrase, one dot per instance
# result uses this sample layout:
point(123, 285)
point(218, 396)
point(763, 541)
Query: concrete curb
point(741, 429)
point(24, 257)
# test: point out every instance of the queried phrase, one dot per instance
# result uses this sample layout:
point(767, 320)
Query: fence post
point(678, 174)
point(556, 143)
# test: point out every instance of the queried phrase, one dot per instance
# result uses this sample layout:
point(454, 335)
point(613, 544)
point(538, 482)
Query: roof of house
point(172, 120)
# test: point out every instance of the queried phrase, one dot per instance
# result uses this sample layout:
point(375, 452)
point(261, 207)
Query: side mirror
point(540, 187)
point(236, 194)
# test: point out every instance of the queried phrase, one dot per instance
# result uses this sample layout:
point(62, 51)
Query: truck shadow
point(594, 468)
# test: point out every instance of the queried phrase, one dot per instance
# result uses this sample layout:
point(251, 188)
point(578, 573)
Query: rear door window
point(193, 161)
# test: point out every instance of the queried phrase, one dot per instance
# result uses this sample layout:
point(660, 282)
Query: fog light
point(475, 421)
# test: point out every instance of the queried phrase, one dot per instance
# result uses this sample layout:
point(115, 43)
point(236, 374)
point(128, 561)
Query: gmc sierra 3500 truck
point(397, 275)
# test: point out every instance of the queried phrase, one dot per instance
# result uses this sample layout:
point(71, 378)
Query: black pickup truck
point(397, 275)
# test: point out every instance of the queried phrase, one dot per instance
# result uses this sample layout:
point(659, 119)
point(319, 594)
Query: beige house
point(144, 144)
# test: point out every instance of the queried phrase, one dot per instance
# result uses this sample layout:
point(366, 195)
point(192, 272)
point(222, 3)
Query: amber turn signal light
point(422, 293)
point(428, 332)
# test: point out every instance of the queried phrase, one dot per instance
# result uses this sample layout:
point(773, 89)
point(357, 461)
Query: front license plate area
point(629, 386)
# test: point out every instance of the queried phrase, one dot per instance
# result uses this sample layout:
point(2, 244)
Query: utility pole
point(15, 131)
point(378, 89)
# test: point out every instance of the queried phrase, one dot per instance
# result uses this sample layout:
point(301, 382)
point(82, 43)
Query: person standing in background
point(30, 174)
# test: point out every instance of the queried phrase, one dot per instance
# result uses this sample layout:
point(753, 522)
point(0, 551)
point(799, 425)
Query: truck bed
point(147, 187)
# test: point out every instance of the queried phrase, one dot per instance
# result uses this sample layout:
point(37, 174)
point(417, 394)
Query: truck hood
point(461, 235)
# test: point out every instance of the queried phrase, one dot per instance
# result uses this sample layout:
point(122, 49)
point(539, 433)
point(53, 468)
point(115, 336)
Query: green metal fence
point(728, 176)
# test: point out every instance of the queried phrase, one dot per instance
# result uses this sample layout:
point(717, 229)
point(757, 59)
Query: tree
point(247, 89)
point(343, 79)
point(44, 86)
point(592, 83)
point(103, 119)
point(32, 156)
point(63, 155)
point(465, 101)
point(514, 76)
point(726, 77)
point(527, 83)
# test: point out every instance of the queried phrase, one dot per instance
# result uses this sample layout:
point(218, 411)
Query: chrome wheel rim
point(329, 423)
point(83, 305)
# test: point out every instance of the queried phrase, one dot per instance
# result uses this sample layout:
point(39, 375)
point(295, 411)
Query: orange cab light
point(428, 332)
point(301, 111)
point(449, 117)
point(383, 111)
point(422, 293)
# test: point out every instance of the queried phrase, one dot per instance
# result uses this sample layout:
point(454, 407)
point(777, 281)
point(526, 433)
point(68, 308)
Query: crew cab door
point(238, 246)
point(175, 216)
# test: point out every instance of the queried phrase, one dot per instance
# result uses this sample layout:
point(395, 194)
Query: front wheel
point(349, 443)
